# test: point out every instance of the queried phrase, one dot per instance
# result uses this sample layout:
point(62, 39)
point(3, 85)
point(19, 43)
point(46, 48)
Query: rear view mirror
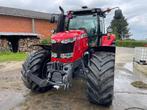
point(118, 14)
point(52, 20)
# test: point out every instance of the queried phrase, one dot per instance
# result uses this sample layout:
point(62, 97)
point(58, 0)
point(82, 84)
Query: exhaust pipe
point(61, 9)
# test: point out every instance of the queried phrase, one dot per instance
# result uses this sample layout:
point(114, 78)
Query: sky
point(133, 10)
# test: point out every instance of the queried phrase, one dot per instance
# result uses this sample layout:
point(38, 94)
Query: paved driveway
point(14, 96)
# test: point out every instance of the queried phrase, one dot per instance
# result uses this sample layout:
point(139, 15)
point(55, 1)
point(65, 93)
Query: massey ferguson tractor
point(79, 48)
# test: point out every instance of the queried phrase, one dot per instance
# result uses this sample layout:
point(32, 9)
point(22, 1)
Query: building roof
point(18, 34)
point(26, 13)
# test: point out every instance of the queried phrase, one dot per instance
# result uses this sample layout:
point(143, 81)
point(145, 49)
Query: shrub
point(131, 43)
point(46, 41)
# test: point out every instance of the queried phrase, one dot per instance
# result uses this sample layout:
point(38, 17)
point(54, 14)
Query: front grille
point(60, 48)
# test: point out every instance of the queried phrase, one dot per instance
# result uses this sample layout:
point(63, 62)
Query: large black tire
point(100, 79)
point(36, 64)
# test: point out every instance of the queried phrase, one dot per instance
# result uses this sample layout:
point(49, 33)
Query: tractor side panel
point(80, 47)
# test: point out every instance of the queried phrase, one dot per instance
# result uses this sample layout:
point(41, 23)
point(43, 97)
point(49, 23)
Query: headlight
point(66, 55)
point(53, 41)
point(54, 55)
point(68, 40)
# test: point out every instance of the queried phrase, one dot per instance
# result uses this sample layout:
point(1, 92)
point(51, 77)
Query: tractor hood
point(72, 34)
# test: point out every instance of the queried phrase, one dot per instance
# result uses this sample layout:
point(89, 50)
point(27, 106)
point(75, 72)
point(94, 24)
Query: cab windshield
point(86, 22)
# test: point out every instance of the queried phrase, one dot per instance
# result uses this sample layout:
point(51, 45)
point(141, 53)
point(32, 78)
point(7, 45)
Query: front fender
point(46, 47)
point(104, 49)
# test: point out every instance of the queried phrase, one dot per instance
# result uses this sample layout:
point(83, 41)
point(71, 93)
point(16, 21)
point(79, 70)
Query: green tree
point(120, 27)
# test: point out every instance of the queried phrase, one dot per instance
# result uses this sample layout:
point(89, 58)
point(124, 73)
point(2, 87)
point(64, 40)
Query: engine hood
point(67, 35)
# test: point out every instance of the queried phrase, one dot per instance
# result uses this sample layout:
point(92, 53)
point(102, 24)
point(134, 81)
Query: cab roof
point(88, 11)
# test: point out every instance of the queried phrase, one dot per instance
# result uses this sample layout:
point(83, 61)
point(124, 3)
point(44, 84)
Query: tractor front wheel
point(36, 64)
point(100, 79)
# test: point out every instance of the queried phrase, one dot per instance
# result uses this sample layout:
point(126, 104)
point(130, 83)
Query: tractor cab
point(89, 20)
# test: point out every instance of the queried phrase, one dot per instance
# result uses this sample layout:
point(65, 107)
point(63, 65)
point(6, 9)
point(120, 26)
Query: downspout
point(33, 25)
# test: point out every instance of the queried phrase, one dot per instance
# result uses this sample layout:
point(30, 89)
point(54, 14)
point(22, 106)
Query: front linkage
point(58, 74)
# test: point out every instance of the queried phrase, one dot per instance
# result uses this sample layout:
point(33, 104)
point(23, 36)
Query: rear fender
point(103, 48)
point(108, 40)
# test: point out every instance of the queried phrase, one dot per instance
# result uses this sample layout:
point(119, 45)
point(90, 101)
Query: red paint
point(80, 46)
point(108, 40)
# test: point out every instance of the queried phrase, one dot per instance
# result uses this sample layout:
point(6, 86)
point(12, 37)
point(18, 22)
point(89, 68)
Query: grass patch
point(131, 43)
point(9, 56)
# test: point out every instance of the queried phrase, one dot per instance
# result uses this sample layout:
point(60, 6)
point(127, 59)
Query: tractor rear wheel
point(36, 64)
point(100, 79)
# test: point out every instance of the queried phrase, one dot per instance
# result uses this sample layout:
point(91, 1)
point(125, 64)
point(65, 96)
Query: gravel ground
point(15, 96)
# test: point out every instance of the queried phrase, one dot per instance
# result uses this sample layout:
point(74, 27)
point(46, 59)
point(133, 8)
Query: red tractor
point(79, 48)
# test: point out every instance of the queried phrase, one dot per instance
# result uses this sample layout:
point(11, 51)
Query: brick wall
point(44, 28)
point(15, 24)
point(20, 24)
